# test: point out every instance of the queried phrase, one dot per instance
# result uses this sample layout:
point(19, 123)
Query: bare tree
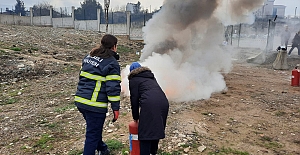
point(116, 8)
point(123, 8)
point(42, 9)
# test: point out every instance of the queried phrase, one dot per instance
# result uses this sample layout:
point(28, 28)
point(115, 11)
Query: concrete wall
point(14, 20)
point(42, 21)
point(136, 34)
point(63, 22)
point(86, 25)
point(120, 29)
point(70, 22)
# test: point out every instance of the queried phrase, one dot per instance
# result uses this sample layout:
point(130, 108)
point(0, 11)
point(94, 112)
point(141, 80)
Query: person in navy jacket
point(149, 106)
point(99, 84)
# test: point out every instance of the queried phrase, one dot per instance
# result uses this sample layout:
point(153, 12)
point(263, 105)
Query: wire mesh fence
point(62, 12)
point(265, 34)
point(41, 11)
point(117, 17)
point(86, 14)
point(139, 20)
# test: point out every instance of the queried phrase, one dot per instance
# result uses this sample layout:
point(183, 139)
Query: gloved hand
point(116, 116)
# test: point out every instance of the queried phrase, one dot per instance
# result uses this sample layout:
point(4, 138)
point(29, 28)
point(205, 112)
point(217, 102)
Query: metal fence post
point(270, 37)
point(145, 18)
point(112, 17)
point(240, 27)
point(231, 34)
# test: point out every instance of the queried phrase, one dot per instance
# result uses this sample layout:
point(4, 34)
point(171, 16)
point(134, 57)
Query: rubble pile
point(28, 51)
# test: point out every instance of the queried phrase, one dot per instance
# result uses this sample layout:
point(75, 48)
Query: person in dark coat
point(295, 43)
point(149, 106)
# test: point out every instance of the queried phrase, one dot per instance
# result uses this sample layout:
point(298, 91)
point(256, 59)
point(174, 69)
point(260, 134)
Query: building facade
point(133, 8)
point(269, 9)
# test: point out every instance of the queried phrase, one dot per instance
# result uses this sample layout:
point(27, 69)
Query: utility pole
point(262, 12)
point(106, 4)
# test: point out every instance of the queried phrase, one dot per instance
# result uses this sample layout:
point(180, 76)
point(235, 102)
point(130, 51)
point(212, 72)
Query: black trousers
point(298, 47)
point(148, 147)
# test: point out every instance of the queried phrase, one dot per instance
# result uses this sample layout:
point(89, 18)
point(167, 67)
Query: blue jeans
point(93, 135)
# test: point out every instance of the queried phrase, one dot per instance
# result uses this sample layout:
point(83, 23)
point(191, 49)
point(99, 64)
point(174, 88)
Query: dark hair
point(108, 41)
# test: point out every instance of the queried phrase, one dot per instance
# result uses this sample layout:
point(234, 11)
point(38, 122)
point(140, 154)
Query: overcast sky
point(147, 4)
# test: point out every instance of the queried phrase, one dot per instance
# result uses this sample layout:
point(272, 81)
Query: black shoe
point(104, 152)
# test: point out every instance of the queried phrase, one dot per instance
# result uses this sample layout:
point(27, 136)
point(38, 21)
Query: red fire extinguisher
point(295, 77)
point(133, 138)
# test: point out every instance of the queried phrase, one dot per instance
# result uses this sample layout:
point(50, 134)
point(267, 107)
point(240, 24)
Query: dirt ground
point(259, 114)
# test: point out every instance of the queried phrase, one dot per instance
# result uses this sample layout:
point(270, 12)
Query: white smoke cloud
point(232, 12)
point(183, 48)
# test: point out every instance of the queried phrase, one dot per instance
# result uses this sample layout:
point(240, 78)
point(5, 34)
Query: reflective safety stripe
point(96, 91)
point(113, 77)
point(92, 76)
point(114, 98)
point(99, 80)
point(89, 102)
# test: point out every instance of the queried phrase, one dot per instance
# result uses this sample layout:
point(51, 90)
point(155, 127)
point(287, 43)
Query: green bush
point(34, 48)
point(15, 49)
point(224, 150)
point(42, 142)
point(114, 144)
point(9, 101)
point(123, 49)
point(75, 152)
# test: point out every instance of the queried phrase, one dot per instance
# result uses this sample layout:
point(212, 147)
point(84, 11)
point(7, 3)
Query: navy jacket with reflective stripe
point(99, 84)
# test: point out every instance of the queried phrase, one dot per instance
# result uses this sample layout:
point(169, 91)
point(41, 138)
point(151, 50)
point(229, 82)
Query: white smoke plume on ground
point(183, 46)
